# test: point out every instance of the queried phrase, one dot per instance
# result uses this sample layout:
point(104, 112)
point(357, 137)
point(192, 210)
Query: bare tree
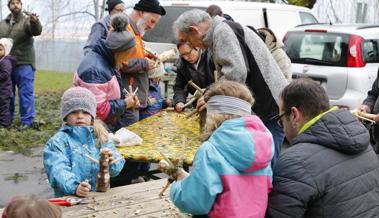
point(59, 9)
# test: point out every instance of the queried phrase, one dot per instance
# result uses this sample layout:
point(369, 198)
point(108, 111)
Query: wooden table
point(163, 132)
point(138, 200)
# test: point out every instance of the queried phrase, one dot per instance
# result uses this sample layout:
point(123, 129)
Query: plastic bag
point(125, 137)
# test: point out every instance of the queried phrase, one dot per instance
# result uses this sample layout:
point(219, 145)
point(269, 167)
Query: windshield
point(319, 48)
point(370, 50)
point(163, 30)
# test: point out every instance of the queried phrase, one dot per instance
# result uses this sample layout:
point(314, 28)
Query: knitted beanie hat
point(7, 43)
point(77, 98)
point(150, 6)
point(112, 3)
point(119, 39)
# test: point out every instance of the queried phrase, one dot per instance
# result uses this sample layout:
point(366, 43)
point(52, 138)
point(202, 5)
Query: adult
point(22, 28)
point(330, 169)
point(194, 64)
point(214, 10)
point(144, 16)
point(100, 29)
point(97, 72)
point(371, 105)
point(239, 55)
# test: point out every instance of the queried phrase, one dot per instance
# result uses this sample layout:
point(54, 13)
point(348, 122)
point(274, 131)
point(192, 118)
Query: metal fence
point(59, 55)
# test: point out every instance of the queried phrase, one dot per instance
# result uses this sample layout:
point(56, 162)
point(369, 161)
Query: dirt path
point(22, 175)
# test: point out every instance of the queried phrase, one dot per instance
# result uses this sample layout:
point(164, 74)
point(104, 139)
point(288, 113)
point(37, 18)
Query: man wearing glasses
point(100, 29)
point(330, 169)
point(195, 64)
point(240, 55)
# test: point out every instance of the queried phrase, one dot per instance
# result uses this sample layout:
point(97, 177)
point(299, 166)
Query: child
point(155, 102)
point(67, 154)
point(7, 64)
point(31, 207)
point(232, 170)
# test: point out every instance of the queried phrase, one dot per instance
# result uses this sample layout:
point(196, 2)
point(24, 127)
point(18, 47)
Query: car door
point(320, 56)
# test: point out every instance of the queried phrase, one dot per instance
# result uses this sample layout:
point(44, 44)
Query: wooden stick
point(364, 116)
point(190, 102)
point(195, 87)
point(191, 113)
point(215, 74)
point(162, 193)
point(135, 92)
point(91, 158)
point(115, 161)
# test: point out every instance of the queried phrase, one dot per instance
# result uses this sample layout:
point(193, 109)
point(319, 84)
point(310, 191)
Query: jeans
point(278, 136)
point(23, 78)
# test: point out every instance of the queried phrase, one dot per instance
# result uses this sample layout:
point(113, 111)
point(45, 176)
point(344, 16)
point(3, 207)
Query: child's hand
point(132, 102)
point(83, 189)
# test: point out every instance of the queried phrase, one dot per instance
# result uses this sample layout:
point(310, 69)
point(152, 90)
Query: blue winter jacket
point(65, 163)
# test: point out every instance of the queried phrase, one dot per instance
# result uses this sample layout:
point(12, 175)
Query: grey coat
point(329, 171)
point(229, 60)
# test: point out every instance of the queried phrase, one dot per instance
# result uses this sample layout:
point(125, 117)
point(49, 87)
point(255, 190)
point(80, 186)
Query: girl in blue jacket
point(67, 155)
point(231, 174)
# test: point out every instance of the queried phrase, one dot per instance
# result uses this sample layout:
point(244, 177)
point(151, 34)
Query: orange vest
point(139, 51)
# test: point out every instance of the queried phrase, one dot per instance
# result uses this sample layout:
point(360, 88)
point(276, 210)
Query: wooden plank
point(138, 200)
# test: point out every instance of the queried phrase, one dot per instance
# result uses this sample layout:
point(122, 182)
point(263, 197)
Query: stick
point(190, 102)
point(91, 158)
point(135, 92)
point(215, 74)
point(162, 193)
point(192, 113)
point(195, 87)
point(115, 161)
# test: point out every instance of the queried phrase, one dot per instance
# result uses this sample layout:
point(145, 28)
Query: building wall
point(347, 11)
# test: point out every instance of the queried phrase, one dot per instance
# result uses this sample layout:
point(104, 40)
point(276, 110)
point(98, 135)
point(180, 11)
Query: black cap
point(112, 3)
point(150, 6)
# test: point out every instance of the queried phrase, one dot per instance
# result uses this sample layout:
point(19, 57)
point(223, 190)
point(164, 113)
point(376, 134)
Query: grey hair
point(189, 18)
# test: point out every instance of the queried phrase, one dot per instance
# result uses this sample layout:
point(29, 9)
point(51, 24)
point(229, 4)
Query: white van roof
point(235, 5)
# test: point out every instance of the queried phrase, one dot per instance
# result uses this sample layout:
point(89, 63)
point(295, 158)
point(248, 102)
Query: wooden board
point(138, 200)
point(164, 132)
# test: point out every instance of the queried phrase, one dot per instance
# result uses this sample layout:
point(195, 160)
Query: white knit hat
point(7, 43)
point(78, 98)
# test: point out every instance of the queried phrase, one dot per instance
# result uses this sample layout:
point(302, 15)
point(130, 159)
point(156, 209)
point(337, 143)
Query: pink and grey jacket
point(97, 73)
point(232, 172)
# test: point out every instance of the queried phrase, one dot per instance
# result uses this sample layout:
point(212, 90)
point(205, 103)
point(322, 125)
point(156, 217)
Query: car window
point(317, 48)
point(163, 30)
point(370, 51)
point(307, 18)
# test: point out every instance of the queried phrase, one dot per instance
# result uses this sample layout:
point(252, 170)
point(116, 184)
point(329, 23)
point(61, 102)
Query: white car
point(343, 58)
point(256, 14)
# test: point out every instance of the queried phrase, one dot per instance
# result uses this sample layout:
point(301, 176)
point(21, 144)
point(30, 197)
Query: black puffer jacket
point(330, 171)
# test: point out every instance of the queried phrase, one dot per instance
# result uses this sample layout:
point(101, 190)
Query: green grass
point(49, 81)
point(49, 87)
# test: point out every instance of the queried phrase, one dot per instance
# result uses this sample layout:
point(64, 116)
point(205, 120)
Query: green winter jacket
point(22, 32)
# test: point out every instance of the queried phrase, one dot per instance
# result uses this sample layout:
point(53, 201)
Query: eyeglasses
point(278, 117)
point(186, 54)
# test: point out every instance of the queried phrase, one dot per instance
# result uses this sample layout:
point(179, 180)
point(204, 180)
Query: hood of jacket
point(270, 39)
point(245, 143)
point(97, 66)
point(338, 130)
